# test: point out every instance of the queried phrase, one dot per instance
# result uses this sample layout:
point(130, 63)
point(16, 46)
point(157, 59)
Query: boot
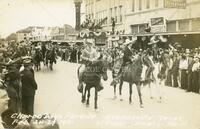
point(100, 87)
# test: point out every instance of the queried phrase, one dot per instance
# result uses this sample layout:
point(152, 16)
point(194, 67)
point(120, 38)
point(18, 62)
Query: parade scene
point(118, 64)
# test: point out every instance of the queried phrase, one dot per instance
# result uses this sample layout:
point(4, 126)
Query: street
point(57, 94)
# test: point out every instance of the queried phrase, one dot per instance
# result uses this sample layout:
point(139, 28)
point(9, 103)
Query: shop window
point(171, 26)
point(142, 28)
point(134, 29)
point(184, 25)
point(196, 25)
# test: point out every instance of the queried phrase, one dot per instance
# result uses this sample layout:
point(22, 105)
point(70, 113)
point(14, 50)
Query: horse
point(50, 58)
point(131, 73)
point(37, 58)
point(92, 78)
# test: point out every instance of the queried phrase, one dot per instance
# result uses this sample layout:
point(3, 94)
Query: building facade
point(36, 33)
point(133, 16)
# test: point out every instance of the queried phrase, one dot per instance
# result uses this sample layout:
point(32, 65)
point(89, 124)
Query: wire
point(47, 12)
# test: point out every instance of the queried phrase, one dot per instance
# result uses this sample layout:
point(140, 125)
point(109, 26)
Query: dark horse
point(91, 78)
point(131, 73)
point(50, 58)
point(37, 58)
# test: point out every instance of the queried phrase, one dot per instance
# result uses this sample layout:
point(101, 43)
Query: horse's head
point(104, 70)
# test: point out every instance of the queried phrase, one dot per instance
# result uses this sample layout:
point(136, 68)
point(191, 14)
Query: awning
point(169, 33)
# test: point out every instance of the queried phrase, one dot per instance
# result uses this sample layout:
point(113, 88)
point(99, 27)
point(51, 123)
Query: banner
point(180, 4)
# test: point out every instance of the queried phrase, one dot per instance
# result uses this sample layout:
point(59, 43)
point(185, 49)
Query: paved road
point(57, 94)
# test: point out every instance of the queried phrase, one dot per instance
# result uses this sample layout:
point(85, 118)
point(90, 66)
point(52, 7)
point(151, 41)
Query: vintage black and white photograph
point(99, 64)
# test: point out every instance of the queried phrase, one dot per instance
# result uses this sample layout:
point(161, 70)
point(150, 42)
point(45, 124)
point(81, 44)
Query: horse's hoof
point(114, 97)
point(141, 106)
point(151, 97)
point(130, 103)
point(87, 105)
point(83, 101)
point(96, 110)
point(120, 98)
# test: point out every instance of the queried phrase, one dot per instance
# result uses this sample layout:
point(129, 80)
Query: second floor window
point(156, 3)
point(120, 13)
point(133, 5)
point(140, 4)
point(147, 4)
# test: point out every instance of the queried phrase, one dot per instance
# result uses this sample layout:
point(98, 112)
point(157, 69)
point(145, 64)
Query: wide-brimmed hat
point(27, 60)
point(154, 40)
point(89, 41)
point(197, 56)
point(128, 41)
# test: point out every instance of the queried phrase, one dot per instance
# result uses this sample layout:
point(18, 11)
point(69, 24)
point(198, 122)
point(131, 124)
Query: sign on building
point(180, 4)
point(158, 24)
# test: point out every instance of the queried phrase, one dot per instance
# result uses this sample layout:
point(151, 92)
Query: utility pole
point(78, 13)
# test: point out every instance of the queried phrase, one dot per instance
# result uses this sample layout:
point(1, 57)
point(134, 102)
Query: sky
point(19, 14)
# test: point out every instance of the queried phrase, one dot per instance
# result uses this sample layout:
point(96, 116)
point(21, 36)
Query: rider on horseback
point(127, 59)
point(89, 56)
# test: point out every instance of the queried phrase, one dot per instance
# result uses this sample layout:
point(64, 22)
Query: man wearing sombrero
point(127, 57)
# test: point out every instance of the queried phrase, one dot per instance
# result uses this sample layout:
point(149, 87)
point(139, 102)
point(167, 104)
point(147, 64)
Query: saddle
point(92, 73)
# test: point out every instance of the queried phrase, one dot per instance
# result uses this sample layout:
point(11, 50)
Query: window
point(134, 29)
point(184, 25)
point(140, 4)
point(111, 15)
point(171, 26)
point(147, 4)
point(120, 13)
point(133, 5)
point(156, 3)
point(116, 14)
point(196, 24)
point(142, 28)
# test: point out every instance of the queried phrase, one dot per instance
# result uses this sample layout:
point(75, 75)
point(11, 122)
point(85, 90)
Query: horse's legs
point(115, 92)
point(51, 65)
point(130, 93)
point(95, 98)
point(88, 97)
point(39, 65)
point(160, 86)
point(120, 90)
point(150, 89)
point(138, 85)
point(84, 94)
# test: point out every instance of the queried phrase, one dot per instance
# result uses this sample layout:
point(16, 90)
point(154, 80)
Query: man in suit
point(29, 86)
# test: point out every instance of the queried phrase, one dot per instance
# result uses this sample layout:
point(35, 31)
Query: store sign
point(180, 4)
point(158, 24)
